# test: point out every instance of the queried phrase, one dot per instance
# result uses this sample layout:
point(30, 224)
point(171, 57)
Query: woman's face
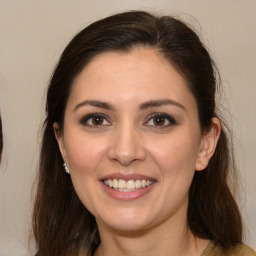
point(132, 140)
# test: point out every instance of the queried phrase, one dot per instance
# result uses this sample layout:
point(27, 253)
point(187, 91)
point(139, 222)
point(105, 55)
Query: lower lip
point(126, 196)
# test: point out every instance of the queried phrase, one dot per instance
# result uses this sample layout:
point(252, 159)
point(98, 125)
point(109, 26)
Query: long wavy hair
point(61, 223)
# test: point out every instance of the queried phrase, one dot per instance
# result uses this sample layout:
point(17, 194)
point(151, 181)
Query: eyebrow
point(143, 106)
point(159, 103)
point(94, 103)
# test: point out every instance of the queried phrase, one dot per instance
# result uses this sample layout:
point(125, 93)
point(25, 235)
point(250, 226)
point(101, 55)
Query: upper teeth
point(129, 185)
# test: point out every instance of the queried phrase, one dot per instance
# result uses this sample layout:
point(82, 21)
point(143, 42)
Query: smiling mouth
point(127, 186)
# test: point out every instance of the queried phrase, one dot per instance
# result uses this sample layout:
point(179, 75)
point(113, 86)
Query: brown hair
point(61, 223)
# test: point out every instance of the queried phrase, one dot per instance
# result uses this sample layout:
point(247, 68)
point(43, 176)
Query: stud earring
point(66, 168)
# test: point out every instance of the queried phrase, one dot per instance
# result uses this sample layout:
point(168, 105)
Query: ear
point(208, 145)
point(59, 137)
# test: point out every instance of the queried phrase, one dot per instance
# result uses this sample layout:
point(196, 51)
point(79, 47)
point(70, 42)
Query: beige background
point(32, 36)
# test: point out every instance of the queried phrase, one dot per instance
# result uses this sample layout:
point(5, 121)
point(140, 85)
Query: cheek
point(84, 156)
point(83, 153)
point(175, 155)
point(175, 158)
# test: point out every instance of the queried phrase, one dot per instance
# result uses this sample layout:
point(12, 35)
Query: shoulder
point(244, 250)
point(238, 250)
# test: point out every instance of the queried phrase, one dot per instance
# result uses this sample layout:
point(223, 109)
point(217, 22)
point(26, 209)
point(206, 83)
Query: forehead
point(140, 74)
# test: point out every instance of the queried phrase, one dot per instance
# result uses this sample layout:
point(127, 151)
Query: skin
point(128, 141)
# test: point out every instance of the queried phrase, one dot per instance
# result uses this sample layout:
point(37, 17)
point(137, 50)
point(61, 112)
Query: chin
point(128, 227)
point(127, 222)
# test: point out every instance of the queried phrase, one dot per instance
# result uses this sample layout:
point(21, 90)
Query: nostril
point(124, 160)
point(127, 158)
point(126, 146)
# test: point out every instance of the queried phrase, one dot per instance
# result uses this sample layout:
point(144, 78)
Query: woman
point(131, 118)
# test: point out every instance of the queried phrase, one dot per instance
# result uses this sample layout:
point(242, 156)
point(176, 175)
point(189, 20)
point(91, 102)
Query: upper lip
point(126, 177)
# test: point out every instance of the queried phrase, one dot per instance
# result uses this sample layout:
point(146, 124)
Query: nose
point(126, 146)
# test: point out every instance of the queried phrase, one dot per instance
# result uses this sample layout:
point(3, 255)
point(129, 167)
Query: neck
point(166, 239)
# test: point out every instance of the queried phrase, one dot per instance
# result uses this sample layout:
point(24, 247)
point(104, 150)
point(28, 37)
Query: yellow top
point(239, 250)
point(215, 250)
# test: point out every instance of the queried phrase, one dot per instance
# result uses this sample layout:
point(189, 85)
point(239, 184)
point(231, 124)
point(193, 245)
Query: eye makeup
point(95, 120)
point(160, 120)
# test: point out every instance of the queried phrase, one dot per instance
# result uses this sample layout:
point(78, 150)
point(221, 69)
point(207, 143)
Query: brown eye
point(95, 120)
point(159, 121)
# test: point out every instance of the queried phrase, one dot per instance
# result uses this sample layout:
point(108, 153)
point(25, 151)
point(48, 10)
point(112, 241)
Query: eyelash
point(170, 120)
point(87, 120)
